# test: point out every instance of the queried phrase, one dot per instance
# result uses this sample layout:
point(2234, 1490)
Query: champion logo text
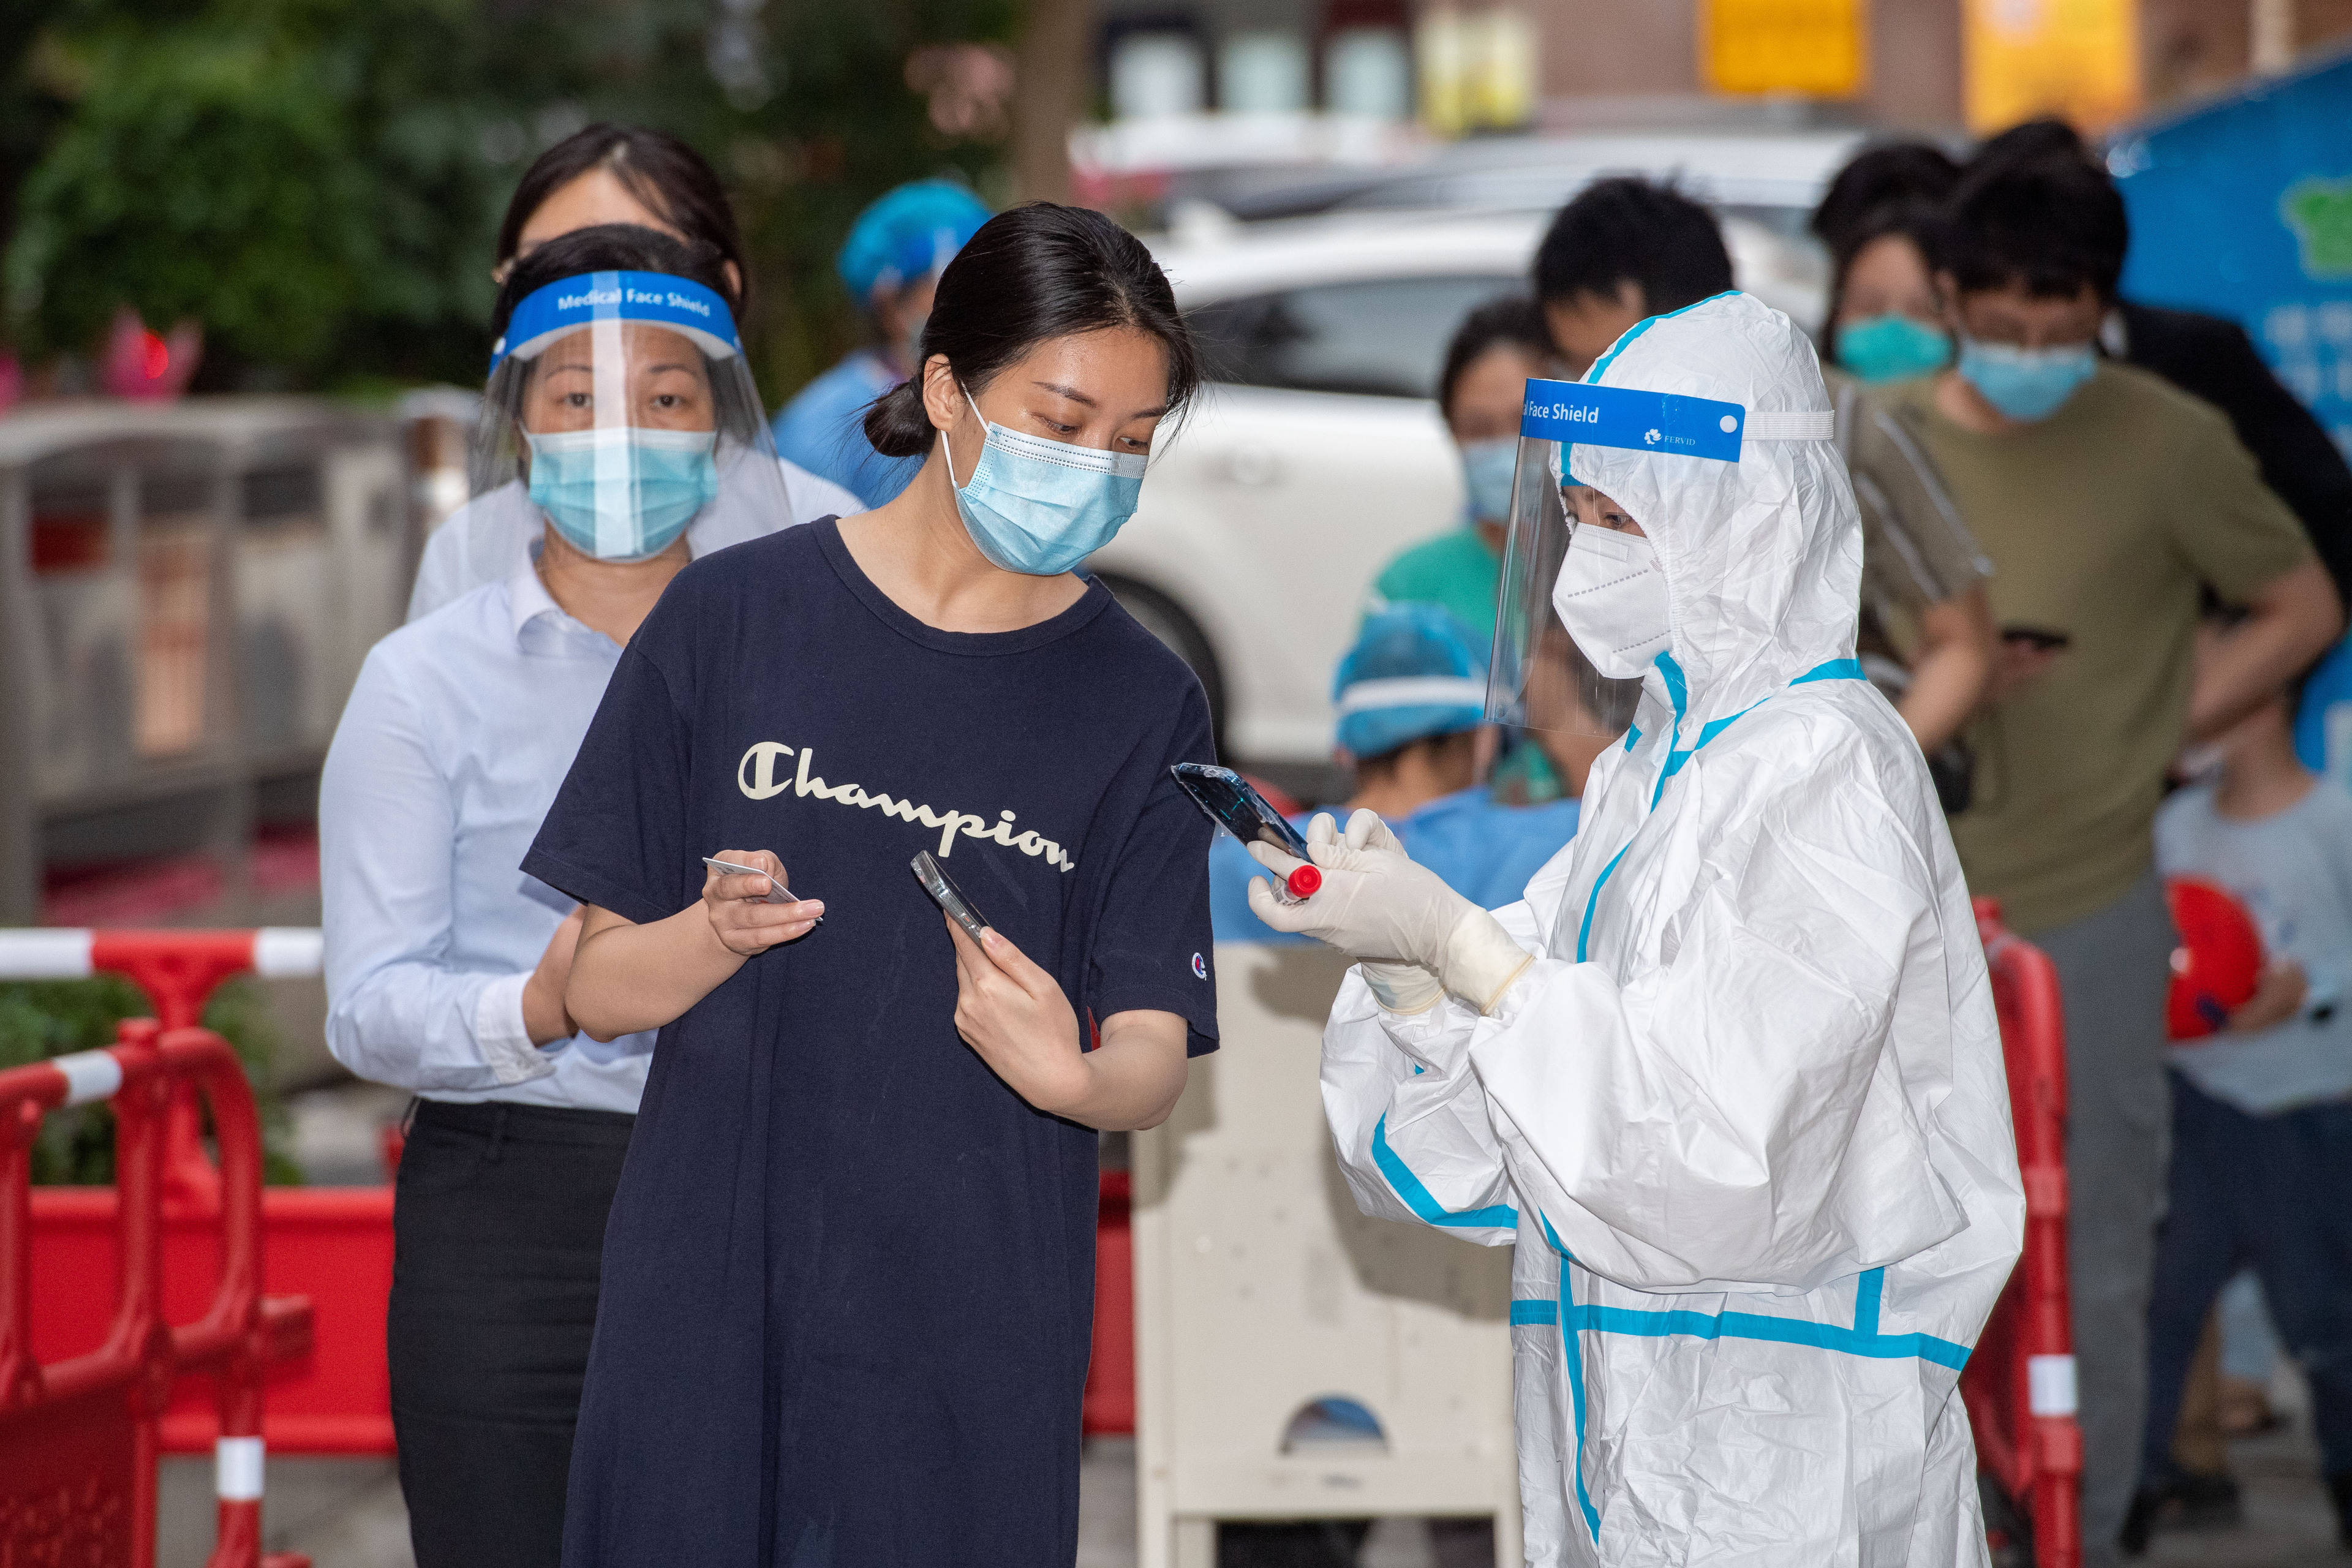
point(755, 776)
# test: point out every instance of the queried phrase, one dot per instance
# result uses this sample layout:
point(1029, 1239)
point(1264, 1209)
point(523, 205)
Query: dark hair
point(669, 178)
point(1513, 320)
point(1625, 229)
point(1037, 272)
point(1455, 741)
point(1889, 174)
point(2048, 137)
point(1894, 189)
point(2052, 223)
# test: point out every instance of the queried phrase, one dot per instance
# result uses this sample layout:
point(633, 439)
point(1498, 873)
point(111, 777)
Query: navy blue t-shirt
point(849, 1277)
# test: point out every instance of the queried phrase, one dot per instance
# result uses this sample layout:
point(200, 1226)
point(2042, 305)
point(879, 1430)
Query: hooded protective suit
point(1744, 1114)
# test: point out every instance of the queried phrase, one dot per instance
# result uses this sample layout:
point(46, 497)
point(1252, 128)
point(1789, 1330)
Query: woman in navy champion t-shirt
point(848, 1279)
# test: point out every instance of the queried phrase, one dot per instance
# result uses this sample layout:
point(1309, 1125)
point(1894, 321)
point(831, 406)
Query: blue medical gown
point(1486, 851)
point(824, 430)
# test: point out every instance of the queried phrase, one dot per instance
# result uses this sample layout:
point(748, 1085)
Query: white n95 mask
point(1611, 594)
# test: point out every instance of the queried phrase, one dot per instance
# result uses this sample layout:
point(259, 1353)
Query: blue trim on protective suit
point(1421, 1200)
point(1677, 694)
point(1573, 1354)
point(1861, 1339)
point(1584, 931)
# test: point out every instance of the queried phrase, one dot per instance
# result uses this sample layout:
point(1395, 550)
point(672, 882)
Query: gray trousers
point(2114, 966)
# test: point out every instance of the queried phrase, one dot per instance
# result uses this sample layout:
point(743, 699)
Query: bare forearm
point(1951, 669)
point(2293, 621)
point(626, 977)
point(1133, 1079)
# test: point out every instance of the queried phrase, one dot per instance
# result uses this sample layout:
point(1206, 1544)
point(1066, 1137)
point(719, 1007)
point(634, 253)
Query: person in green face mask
point(1886, 320)
point(1926, 632)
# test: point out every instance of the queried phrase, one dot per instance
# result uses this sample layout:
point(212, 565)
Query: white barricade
point(1260, 1291)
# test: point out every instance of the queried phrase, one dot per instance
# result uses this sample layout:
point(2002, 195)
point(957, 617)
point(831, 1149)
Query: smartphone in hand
point(947, 895)
point(1232, 803)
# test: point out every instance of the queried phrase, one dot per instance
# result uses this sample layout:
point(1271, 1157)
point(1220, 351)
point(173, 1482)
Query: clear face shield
point(619, 406)
point(1584, 609)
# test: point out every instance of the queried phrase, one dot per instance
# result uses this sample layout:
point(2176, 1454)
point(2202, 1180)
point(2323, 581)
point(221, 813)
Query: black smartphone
point(947, 895)
point(2040, 638)
point(1232, 803)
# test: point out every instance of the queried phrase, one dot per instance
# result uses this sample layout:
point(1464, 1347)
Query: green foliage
point(319, 181)
point(39, 1019)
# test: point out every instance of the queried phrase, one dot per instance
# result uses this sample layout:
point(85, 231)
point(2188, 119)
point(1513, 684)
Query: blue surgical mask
point(622, 494)
point(1891, 347)
point(1041, 507)
point(1487, 468)
point(2026, 383)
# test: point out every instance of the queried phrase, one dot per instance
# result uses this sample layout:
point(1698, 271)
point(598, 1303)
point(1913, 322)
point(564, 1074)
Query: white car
point(1317, 453)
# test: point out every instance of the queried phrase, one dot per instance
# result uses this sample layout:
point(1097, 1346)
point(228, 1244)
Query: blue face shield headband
point(615, 489)
point(568, 304)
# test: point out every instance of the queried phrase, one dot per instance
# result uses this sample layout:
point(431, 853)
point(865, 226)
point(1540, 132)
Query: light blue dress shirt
point(458, 735)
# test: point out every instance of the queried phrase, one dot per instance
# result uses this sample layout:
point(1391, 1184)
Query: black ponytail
point(1035, 273)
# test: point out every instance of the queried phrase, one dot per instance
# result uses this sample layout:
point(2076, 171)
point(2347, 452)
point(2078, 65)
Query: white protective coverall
point(1744, 1114)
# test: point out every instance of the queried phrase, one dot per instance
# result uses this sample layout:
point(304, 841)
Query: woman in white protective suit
point(1730, 1077)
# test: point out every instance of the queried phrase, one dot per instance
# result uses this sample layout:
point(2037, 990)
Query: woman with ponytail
point(849, 1277)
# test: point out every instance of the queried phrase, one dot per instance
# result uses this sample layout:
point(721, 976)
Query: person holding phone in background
point(848, 1279)
point(445, 966)
point(608, 175)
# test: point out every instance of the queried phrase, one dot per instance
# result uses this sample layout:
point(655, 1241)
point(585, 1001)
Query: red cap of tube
point(1304, 881)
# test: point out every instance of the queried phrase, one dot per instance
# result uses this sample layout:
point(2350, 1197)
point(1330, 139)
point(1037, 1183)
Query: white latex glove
point(1400, 988)
point(1378, 905)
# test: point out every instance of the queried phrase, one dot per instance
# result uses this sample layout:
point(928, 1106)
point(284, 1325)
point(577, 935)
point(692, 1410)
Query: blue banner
point(1573, 412)
point(2243, 207)
point(654, 297)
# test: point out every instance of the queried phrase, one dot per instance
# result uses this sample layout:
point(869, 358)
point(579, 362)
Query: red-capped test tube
point(1304, 881)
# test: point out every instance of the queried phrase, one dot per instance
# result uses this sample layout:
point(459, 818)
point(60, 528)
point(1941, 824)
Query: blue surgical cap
point(1415, 671)
point(906, 234)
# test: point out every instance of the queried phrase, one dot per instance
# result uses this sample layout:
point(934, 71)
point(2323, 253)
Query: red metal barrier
point(332, 1245)
point(79, 1437)
point(2020, 1384)
point(1110, 1374)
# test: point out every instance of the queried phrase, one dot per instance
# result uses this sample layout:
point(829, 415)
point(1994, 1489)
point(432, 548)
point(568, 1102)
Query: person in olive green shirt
point(2107, 501)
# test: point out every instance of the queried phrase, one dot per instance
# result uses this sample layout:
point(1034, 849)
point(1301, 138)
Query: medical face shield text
point(620, 404)
point(1041, 507)
point(1582, 674)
